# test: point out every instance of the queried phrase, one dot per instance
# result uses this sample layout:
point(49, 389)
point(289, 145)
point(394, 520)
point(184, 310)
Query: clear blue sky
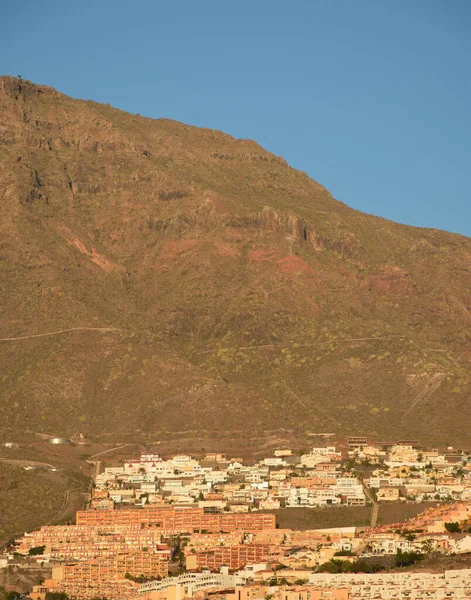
point(370, 97)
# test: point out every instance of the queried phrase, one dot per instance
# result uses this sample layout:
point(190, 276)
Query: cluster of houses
point(218, 484)
point(324, 476)
point(406, 472)
point(184, 528)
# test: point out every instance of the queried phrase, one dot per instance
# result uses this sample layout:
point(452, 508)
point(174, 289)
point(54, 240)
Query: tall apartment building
point(111, 569)
point(186, 520)
point(82, 542)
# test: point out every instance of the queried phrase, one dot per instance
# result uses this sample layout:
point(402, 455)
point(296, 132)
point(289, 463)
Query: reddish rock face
point(194, 284)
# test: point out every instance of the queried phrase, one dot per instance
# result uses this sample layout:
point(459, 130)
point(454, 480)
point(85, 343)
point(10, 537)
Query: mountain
point(158, 279)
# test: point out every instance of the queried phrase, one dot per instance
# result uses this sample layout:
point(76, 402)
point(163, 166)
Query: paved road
point(375, 507)
point(374, 514)
point(110, 450)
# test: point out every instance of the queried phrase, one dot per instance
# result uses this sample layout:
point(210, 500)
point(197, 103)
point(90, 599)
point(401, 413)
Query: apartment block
point(170, 518)
point(233, 557)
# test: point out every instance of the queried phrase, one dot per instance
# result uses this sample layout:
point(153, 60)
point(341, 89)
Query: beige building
point(387, 494)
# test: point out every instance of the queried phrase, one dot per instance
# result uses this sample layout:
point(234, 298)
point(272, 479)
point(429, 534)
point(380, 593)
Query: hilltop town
point(164, 529)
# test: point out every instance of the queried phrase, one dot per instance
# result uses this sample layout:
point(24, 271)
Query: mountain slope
point(211, 287)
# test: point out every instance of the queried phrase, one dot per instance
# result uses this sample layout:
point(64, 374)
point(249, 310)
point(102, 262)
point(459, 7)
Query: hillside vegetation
point(29, 499)
point(159, 279)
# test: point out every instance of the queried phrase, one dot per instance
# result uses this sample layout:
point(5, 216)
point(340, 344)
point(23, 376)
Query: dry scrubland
point(346, 516)
point(29, 499)
point(195, 287)
point(194, 284)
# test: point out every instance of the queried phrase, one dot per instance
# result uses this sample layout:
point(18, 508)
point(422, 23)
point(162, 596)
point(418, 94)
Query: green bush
point(344, 566)
point(404, 559)
point(452, 527)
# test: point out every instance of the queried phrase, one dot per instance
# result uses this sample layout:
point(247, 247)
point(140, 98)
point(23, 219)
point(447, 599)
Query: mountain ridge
point(247, 297)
